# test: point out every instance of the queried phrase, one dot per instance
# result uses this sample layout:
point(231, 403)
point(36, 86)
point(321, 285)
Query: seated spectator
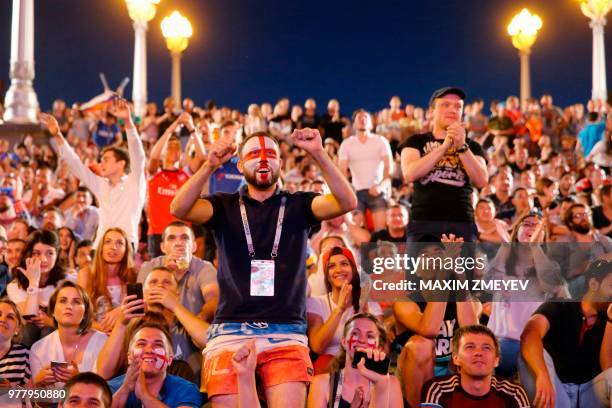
point(83, 255)
point(523, 259)
point(14, 252)
point(582, 246)
point(328, 313)
point(197, 279)
point(522, 202)
point(162, 305)
point(105, 281)
point(146, 382)
point(82, 217)
point(14, 357)
point(346, 385)
point(396, 225)
point(426, 327)
point(74, 346)
point(490, 228)
point(87, 390)
point(476, 353)
point(68, 241)
point(317, 285)
point(35, 281)
point(565, 347)
point(602, 214)
point(19, 229)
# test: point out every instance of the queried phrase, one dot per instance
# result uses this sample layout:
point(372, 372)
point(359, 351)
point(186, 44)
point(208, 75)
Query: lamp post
point(177, 30)
point(596, 10)
point(141, 12)
point(524, 30)
point(21, 102)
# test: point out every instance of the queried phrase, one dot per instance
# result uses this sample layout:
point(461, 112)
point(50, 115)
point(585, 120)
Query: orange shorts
point(276, 366)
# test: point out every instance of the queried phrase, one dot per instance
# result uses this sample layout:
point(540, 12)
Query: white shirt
point(49, 348)
point(120, 205)
point(508, 319)
point(323, 305)
point(18, 295)
point(366, 160)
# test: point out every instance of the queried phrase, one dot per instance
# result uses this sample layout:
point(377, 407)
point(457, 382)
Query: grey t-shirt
point(199, 274)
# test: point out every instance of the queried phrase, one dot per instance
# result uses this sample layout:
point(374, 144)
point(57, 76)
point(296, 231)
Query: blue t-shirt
point(175, 392)
point(227, 178)
point(105, 135)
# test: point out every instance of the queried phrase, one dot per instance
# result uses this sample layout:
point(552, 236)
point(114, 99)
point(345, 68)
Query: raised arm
point(342, 198)
point(160, 145)
point(67, 154)
point(187, 203)
point(121, 110)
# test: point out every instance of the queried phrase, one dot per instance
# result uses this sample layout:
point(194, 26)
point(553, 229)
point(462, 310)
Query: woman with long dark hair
point(346, 386)
point(328, 313)
point(35, 280)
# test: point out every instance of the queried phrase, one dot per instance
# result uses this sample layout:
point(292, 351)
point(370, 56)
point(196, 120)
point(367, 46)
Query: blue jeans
point(593, 394)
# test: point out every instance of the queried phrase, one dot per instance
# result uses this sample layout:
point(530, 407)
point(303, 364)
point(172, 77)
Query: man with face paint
point(146, 382)
point(262, 233)
point(161, 296)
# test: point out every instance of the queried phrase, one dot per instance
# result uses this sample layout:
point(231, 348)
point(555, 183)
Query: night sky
point(359, 52)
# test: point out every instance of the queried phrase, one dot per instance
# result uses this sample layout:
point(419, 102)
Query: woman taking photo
point(328, 313)
point(35, 281)
point(106, 280)
point(346, 386)
point(74, 346)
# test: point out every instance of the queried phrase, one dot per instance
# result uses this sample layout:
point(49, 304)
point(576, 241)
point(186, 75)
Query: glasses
point(582, 215)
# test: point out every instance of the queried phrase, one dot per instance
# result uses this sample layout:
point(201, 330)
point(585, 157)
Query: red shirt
point(162, 189)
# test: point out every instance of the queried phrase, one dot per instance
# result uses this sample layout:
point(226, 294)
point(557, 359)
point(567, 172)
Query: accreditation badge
point(262, 277)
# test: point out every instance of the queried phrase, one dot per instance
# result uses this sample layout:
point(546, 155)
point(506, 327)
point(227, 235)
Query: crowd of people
point(202, 255)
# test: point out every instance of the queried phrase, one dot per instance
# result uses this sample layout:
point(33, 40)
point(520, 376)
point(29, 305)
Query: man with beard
point(262, 233)
point(146, 382)
point(444, 166)
point(476, 353)
point(566, 347)
point(583, 245)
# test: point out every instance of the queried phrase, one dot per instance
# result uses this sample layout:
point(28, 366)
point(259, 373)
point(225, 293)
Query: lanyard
point(279, 228)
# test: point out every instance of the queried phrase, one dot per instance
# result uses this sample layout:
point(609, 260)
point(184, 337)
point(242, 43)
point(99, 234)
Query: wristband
point(463, 148)
point(32, 290)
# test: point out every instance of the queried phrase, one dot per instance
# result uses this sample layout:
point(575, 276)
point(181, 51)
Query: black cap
point(446, 91)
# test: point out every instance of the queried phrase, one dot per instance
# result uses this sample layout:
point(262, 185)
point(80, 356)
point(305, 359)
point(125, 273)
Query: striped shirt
point(15, 365)
point(447, 392)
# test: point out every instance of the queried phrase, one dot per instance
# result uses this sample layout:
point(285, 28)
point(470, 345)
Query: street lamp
point(141, 12)
point(524, 30)
point(177, 30)
point(20, 101)
point(596, 10)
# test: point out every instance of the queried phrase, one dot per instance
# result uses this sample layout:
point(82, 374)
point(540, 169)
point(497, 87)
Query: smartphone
point(56, 364)
point(136, 289)
point(380, 367)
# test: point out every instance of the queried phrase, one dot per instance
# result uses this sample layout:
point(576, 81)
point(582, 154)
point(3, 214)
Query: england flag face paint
point(261, 162)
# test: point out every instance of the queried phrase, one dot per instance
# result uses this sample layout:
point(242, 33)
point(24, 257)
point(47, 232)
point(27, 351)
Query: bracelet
point(32, 290)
